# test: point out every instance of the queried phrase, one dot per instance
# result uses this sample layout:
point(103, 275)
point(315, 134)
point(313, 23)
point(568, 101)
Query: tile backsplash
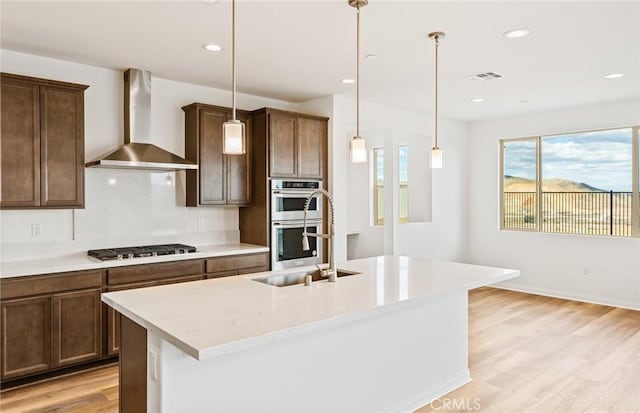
point(122, 207)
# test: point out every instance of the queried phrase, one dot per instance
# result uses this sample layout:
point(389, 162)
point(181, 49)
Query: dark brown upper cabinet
point(221, 179)
point(311, 143)
point(297, 145)
point(42, 149)
point(282, 145)
point(285, 145)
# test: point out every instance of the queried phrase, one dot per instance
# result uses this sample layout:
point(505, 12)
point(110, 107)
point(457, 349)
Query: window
point(403, 174)
point(578, 183)
point(519, 196)
point(378, 186)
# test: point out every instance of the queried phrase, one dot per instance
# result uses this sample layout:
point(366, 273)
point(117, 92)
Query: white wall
point(365, 239)
point(444, 237)
point(551, 264)
point(139, 207)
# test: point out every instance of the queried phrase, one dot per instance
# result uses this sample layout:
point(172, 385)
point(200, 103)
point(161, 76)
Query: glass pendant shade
point(436, 158)
point(233, 137)
point(358, 150)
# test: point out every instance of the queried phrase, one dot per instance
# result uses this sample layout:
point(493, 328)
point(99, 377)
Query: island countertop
point(217, 316)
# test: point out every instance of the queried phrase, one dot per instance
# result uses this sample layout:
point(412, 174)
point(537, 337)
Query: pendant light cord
point(358, 72)
point(437, 38)
point(233, 58)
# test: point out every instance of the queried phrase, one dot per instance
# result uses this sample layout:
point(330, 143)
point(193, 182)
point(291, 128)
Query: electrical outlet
point(201, 224)
point(35, 230)
point(585, 270)
point(153, 365)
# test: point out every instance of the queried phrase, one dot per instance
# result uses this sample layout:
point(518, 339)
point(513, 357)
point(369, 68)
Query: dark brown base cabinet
point(26, 336)
point(77, 327)
point(52, 328)
point(55, 321)
point(42, 143)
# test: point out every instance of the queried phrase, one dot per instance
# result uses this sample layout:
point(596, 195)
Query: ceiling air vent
point(485, 76)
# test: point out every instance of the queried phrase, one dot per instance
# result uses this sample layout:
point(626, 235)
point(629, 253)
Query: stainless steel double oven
point(287, 215)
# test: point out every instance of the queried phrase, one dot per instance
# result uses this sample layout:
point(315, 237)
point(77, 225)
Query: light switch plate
point(35, 230)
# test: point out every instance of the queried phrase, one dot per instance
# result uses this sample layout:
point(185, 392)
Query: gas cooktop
point(143, 251)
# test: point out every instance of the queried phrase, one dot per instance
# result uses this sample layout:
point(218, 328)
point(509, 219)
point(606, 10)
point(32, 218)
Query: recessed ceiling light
point(348, 81)
point(477, 100)
point(613, 75)
point(212, 47)
point(370, 56)
point(209, 1)
point(524, 101)
point(515, 33)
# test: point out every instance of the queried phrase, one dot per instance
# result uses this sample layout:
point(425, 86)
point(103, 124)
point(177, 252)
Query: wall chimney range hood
point(137, 153)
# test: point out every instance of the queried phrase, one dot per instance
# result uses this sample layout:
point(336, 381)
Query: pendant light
point(233, 131)
point(357, 146)
point(436, 153)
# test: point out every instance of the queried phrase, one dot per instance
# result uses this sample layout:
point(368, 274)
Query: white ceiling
point(297, 50)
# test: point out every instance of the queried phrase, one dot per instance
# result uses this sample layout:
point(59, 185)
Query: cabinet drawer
point(45, 284)
point(253, 269)
point(137, 273)
point(221, 274)
point(237, 262)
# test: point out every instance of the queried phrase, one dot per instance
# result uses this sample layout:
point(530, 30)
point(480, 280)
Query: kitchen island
point(391, 338)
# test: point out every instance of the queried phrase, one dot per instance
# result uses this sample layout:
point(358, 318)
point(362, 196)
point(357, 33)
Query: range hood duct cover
point(137, 122)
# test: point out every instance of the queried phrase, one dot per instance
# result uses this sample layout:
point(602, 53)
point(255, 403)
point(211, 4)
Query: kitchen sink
point(294, 278)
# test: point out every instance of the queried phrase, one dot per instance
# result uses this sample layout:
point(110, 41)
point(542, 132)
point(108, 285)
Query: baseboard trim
point(555, 294)
point(431, 394)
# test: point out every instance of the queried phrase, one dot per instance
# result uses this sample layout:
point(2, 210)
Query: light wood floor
point(527, 353)
point(87, 392)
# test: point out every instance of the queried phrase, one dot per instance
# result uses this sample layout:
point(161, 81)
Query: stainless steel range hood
point(137, 152)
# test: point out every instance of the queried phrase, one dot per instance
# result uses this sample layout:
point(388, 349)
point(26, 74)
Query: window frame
point(401, 185)
point(375, 200)
point(536, 139)
point(635, 182)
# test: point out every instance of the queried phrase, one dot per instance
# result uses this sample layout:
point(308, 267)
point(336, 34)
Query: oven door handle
point(295, 193)
point(296, 224)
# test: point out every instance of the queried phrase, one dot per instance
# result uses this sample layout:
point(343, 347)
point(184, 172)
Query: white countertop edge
point(193, 352)
point(34, 267)
point(282, 334)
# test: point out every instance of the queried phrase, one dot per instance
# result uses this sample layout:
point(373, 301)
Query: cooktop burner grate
point(143, 251)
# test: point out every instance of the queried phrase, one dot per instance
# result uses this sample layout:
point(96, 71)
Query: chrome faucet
point(331, 271)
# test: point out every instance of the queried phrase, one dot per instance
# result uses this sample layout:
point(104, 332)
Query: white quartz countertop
point(81, 261)
point(212, 317)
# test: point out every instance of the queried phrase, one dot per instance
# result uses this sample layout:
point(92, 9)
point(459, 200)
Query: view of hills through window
point(586, 183)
